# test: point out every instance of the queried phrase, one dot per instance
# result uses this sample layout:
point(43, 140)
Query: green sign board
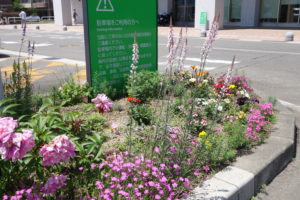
point(110, 26)
point(203, 18)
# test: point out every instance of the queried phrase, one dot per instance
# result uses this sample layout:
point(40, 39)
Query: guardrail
point(15, 20)
point(47, 18)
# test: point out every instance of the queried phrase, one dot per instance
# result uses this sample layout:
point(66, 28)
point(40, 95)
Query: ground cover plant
point(166, 136)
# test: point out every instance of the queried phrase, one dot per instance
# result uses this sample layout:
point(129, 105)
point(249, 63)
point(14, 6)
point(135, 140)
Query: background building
point(233, 13)
point(5, 5)
point(38, 7)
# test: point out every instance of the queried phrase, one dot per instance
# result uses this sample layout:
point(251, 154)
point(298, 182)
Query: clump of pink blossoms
point(103, 103)
point(8, 125)
point(60, 149)
point(53, 183)
point(14, 145)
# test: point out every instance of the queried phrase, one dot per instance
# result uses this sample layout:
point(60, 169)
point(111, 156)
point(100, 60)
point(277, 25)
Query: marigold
point(194, 67)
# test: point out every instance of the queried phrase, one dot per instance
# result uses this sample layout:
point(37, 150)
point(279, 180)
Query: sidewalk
point(239, 34)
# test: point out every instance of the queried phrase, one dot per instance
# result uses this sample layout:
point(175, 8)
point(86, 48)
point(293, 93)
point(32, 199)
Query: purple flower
point(206, 168)
point(241, 101)
point(53, 183)
point(8, 125)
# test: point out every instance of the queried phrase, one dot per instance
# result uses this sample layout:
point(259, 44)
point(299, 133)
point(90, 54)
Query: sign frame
point(87, 40)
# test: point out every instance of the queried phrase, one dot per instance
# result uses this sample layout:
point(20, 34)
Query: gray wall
point(250, 13)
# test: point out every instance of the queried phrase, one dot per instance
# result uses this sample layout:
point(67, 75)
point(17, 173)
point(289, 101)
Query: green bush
point(146, 86)
point(94, 122)
point(142, 114)
point(101, 87)
point(71, 93)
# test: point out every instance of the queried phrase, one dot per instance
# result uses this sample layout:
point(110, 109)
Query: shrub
point(142, 114)
point(18, 87)
point(147, 85)
point(71, 93)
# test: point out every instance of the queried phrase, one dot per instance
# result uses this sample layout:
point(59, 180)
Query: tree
point(17, 6)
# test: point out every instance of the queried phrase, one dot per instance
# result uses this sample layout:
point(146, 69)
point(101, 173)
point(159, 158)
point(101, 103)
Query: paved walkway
point(240, 34)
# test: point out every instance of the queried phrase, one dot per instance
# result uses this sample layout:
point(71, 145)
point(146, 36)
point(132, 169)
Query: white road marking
point(257, 51)
point(43, 45)
point(289, 105)
point(212, 61)
point(37, 56)
point(250, 40)
point(9, 42)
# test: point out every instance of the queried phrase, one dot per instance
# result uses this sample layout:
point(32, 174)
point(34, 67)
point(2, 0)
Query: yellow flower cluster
point(241, 114)
point(202, 134)
point(231, 87)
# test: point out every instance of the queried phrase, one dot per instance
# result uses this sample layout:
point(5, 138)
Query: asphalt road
point(272, 67)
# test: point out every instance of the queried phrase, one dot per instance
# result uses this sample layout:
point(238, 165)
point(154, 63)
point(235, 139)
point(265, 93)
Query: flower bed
point(169, 134)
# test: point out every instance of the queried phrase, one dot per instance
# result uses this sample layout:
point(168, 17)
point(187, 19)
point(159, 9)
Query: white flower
point(192, 80)
point(205, 81)
point(220, 108)
point(226, 100)
point(205, 103)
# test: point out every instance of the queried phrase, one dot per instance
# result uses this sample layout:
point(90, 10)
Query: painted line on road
point(43, 45)
point(244, 40)
point(9, 42)
point(289, 105)
point(257, 51)
point(49, 58)
point(212, 61)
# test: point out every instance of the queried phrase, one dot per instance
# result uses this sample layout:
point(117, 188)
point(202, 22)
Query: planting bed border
point(244, 178)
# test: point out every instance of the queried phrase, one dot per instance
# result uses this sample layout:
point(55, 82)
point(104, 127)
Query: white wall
point(62, 12)
point(213, 8)
point(75, 4)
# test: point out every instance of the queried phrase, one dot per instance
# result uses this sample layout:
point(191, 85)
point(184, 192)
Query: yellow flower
point(241, 114)
point(202, 134)
point(201, 73)
point(207, 144)
point(232, 87)
point(193, 66)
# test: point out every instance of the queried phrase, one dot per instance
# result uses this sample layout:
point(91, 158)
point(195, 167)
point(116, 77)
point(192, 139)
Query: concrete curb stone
point(244, 178)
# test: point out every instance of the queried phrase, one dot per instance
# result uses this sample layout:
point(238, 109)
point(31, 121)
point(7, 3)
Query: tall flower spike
point(170, 46)
point(228, 77)
point(135, 60)
point(183, 51)
point(208, 42)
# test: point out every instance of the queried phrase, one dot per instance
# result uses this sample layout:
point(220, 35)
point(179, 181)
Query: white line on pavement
point(212, 61)
point(50, 58)
point(288, 104)
point(257, 51)
point(9, 42)
point(244, 40)
point(43, 45)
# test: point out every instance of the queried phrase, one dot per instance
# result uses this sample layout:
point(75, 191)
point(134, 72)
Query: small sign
point(203, 20)
point(109, 27)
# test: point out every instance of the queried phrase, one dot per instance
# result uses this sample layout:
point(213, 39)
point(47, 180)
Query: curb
point(244, 178)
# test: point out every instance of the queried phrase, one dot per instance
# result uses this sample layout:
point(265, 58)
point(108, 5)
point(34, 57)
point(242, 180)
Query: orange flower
point(201, 73)
point(131, 99)
point(193, 66)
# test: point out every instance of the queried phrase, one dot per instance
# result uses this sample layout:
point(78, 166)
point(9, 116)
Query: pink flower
point(103, 103)
point(115, 129)
point(15, 145)
point(156, 150)
point(206, 169)
point(60, 149)
point(53, 183)
point(8, 125)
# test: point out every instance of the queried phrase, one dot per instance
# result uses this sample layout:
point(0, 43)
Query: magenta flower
point(103, 103)
point(53, 183)
point(15, 145)
point(8, 125)
point(206, 168)
point(60, 149)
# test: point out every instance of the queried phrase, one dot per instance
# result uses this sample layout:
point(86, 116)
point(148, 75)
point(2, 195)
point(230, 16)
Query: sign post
point(109, 27)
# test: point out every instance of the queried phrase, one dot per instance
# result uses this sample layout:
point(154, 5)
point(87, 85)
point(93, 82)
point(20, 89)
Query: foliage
point(71, 93)
point(142, 114)
point(18, 87)
point(147, 85)
point(17, 6)
point(100, 86)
